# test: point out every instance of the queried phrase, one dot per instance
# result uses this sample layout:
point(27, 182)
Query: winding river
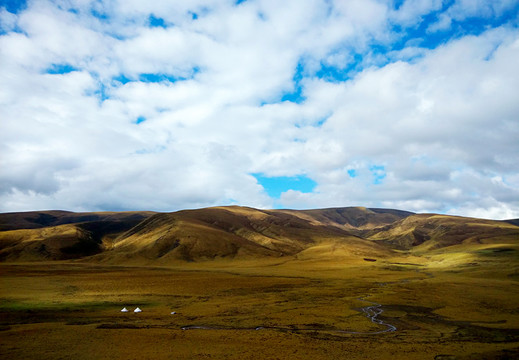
point(371, 312)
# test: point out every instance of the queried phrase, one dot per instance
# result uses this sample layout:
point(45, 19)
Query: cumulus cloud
point(167, 105)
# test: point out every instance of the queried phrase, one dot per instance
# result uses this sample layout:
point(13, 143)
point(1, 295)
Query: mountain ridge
point(235, 232)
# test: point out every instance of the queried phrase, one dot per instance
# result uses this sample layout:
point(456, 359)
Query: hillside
point(229, 232)
point(60, 235)
point(350, 234)
point(40, 219)
point(351, 218)
point(426, 232)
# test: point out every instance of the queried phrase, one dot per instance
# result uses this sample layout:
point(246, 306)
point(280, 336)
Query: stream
point(371, 312)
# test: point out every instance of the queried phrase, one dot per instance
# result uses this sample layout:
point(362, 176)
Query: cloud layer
point(161, 105)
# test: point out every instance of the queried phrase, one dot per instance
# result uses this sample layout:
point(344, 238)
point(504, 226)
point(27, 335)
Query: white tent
point(173, 312)
point(124, 309)
point(137, 310)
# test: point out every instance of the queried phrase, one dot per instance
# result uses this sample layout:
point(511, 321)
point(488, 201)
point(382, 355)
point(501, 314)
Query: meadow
point(284, 308)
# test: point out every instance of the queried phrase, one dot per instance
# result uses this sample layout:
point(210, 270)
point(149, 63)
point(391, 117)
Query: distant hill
point(424, 232)
point(350, 218)
point(513, 221)
point(40, 219)
point(233, 232)
point(236, 232)
point(59, 235)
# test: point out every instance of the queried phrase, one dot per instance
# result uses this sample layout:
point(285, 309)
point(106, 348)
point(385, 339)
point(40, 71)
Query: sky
point(114, 105)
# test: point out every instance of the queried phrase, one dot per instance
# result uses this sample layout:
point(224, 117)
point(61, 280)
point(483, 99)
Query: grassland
point(72, 310)
point(249, 284)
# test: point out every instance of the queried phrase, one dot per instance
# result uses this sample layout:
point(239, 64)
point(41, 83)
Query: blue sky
point(277, 185)
point(166, 105)
point(14, 6)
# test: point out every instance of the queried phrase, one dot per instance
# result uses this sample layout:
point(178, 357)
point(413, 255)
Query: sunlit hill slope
point(242, 233)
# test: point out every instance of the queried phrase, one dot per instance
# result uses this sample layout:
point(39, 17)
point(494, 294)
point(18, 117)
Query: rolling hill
point(425, 232)
point(40, 219)
point(352, 233)
point(237, 232)
point(61, 235)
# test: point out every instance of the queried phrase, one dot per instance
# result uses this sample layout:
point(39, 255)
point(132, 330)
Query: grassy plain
point(467, 310)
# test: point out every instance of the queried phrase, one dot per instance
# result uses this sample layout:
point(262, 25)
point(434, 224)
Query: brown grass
point(67, 310)
point(448, 284)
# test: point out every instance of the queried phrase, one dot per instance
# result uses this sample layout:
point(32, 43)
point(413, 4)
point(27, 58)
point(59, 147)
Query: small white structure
point(173, 312)
point(124, 309)
point(137, 310)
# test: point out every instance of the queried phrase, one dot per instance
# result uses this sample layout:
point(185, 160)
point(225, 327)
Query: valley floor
point(72, 310)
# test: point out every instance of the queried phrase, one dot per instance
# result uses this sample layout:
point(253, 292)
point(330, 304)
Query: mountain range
point(233, 232)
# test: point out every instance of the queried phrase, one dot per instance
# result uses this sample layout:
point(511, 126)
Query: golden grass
point(452, 294)
point(71, 310)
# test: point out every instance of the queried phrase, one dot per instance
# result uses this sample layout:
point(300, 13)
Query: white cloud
point(462, 9)
point(444, 22)
point(410, 13)
point(435, 109)
point(7, 20)
point(424, 129)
